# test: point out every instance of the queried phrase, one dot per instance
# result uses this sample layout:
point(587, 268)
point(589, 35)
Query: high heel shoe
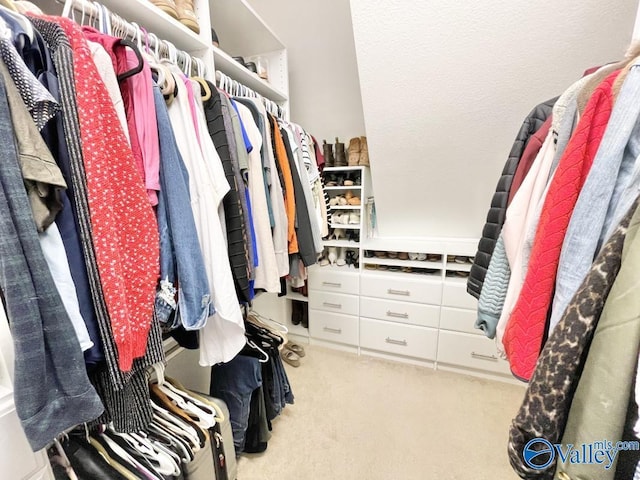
point(341, 260)
point(339, 233)
point(354, 236)
point(332, 255)
point(351, 258)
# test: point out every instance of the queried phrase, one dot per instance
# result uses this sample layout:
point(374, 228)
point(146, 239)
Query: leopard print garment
point(546, 404)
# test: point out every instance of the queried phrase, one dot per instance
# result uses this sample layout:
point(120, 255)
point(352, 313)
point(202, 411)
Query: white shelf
point(451, 246)
point(230, 67)
point(459, 267)
point(402, 263)
point(345, 226)
point(356, 168)
point(342, 187)
point(298, 330)
point(341, 243)
point(154, 20)
point(240, 29)
point(345, 207)
point(404, 275)
point(296, 296)
point(336, 268)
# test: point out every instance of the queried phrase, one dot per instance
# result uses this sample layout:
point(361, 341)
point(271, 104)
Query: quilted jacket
point(496, 215)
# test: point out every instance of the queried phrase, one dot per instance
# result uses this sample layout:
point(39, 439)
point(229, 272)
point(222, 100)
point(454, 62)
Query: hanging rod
point(237, 89)
point(119, 27)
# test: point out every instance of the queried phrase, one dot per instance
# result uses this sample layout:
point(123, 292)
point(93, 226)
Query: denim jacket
point(180, 254)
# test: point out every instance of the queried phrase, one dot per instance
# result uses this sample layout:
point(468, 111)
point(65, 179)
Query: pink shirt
point(144, 109)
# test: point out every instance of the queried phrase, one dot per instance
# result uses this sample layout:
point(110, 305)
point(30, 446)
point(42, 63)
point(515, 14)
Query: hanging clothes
point(523, 334)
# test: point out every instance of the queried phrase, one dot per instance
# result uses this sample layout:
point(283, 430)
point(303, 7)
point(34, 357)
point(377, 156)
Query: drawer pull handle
point(397, 315)
point(402, 343)
point(491, 358)
point(332, 305)
point(404, 293)
point(332, 330)
point(332, 284)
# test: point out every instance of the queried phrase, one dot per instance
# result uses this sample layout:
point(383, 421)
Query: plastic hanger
point(138, 68)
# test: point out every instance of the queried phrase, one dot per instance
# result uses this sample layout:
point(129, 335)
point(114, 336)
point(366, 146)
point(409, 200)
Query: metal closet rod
point(123, 28)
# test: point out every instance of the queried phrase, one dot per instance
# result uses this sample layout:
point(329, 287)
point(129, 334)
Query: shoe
point(369, 266)
point(364, 152)
point(341, 261)
point(380, 254)
point(460, 259)
point(352, 258)
point(334, 201)
point(368, 254)
point(350, 180)
point(354, 152)
point(187, 15)
point(342, 201)
point(339, 233)
point(167, 6)
point(354, 218)
point(434, 257)
point(332, 255)
point(392, 254)
point(331, 180)
point(341, 156)
point(403, 256)
point(296, 312)
point(413, 256)
point(354, 201)
point(327, 150)
point(354, 236)
point(323, 261)
point(422, 257)
point(295, 348)
point(305, 315)
point(290, 357)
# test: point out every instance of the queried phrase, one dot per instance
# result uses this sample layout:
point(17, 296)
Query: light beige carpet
point(361, 418)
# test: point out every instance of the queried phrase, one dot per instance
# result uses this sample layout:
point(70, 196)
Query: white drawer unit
point(393, 287)
point(459, 320)
point(333, 302)
point(454, 294)
point(332, 281)
point(400, 312)
point(470, 351)
point(407, 340)
point(333, 327)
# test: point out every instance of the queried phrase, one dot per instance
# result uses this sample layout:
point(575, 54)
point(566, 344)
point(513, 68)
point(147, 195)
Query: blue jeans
point(234, 382)
point(180, 254)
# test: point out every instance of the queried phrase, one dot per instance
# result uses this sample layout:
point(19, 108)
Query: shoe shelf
point(402, 263)
point(296, 296)
point(154, 20)
point(346, 226)
point(401, 272)
point(339, 268)
point(343, 169)
point(345, 207)
point(341, 243)
point(342, 187)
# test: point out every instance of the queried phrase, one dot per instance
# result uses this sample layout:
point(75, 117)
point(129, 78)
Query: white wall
point(446, 85)
point(323, 75)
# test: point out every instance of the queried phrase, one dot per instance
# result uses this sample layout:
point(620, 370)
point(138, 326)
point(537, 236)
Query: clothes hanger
point(138, 68)
point(252, 344)
point(161, 462)
point(62, 460)
point(162, 434)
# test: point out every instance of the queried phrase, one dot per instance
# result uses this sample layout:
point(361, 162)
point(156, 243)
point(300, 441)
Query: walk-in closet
point(330, 239)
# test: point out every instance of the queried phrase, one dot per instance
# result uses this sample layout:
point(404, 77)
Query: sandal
point(295, 348)
point(290, 357)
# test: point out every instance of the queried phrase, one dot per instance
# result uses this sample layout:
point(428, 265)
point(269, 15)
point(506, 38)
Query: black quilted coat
point(496, 215)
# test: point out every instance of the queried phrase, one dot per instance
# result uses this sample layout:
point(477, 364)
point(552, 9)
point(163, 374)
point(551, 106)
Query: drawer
point(332, 281)
point(333, 302)
point(454, 294)
point(333, 327)
point(472, 351)
point(459, 319)
point(400, 312)
point(407, 340)
point(421, 290)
